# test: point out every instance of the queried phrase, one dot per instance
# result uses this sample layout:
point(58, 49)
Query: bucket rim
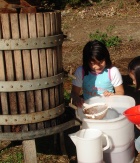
point(105, 120)
point(90, 139)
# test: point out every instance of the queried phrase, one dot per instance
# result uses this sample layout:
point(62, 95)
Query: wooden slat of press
point(49, 52)
point(1, 76)
point(43, 62)
point(55, 64)
point(3, 96)
point(59, 60)
point(15, 29)
point(9, 62)
point(35, 63)
point(59, 52)
point(55, 71)
point(27, 64)
point(59, 48)
point(55, 55)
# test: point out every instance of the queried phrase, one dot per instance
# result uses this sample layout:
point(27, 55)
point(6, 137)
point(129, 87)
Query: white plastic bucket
point(89, 146)
point(119, 130)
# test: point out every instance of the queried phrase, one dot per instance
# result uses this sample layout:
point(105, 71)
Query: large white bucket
point(119, 130)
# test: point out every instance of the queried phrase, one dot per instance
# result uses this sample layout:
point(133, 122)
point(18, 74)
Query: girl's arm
point(138, 126)
point(116, 80)
point(75, 95)
point(119, 90)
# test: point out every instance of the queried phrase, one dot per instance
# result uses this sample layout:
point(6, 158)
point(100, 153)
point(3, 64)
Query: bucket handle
point(107, 141)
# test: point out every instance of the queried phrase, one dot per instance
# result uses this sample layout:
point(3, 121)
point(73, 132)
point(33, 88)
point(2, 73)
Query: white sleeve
point(79, 77)
point(116, 77)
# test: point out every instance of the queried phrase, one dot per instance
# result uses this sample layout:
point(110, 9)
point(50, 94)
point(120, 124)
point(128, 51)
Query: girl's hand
point(138, 126)
point(75, 95)
point(106, 93)
point(78, 101)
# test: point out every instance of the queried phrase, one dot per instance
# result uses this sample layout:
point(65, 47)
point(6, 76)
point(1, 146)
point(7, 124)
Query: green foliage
point(74, 2)
point(61, 4)
point(130, 38)
point(110, 0)
point(14, 157)
point(110, 28)
point(109, 41)
point(66, 96)
point(121, 4)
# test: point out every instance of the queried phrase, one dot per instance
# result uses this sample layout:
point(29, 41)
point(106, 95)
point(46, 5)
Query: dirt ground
point(122, 16)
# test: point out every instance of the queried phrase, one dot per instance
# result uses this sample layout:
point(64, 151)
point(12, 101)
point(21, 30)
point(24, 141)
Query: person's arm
point(119, 90)
point(138, 126)
point(75, 95)
point(77, 87)
point(116, 80)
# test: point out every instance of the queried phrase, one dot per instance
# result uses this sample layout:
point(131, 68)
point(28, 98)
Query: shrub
point(66, 95)
point(105, 39)
point(61, 4)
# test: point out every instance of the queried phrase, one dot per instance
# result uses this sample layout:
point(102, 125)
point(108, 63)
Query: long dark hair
point(134, 66)
point(95, 50)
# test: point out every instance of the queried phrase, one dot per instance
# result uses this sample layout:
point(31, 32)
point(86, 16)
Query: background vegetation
point(61, 4)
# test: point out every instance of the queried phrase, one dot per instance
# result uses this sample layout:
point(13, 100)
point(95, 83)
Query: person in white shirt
point(97, 76)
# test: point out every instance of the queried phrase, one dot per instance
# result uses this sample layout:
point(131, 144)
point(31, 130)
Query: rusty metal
point(38, 133)
point(34, 84)
point(31, 43)
point(29, 118)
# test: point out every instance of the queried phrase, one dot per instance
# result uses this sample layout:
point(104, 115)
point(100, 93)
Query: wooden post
point(29, 150)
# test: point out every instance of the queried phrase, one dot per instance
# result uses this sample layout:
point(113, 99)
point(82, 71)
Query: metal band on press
point(28, 85)
point(38, 133)
point(31, 43)
point(32, 117)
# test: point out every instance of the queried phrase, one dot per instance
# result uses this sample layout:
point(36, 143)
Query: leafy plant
point(12, 157)
point(66, 96)
point(130, 38)
point(109, 41)
point(110, 28)
point(121, 4)
point(74, 2)
point(61, 4)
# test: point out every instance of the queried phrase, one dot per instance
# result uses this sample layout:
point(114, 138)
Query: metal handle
point(72, 106)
